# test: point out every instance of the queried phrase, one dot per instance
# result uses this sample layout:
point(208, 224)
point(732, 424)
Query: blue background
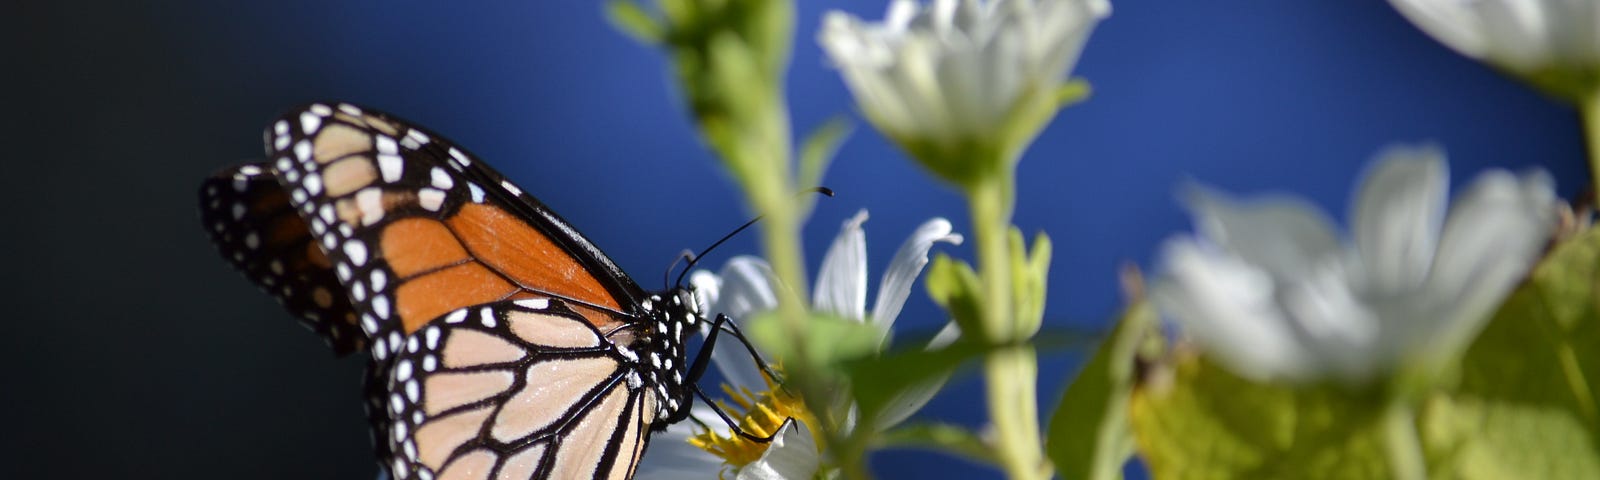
point(136, 353)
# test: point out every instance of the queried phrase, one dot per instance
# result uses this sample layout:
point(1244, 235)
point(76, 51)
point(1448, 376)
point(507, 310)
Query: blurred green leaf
point(1208, 423)
point(939, 437)
point(1088, 436)
point(878, 381)
point(634, 21)
point(838, 340)
point(1073, 91)
point(1030, 272)
point(954, 286)
point(818, 149)
point(1524, 406)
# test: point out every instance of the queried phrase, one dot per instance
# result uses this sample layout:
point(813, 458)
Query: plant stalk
point(1589, 107)
point(1012, 372)
point(1400, 434)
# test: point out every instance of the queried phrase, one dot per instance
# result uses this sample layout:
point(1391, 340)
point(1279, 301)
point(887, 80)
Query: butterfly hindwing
point(248, 216)
point(517, 390)
point(416, 227)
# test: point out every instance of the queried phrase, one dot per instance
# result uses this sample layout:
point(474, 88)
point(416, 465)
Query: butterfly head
point(674, 316)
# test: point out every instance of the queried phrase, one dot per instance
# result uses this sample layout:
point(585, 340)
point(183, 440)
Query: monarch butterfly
point(503, 343)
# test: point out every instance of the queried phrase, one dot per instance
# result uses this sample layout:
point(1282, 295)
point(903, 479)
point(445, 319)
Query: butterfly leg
point(729, 420)
point(702, 359)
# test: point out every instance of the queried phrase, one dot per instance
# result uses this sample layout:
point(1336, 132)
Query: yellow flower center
point(760, 414)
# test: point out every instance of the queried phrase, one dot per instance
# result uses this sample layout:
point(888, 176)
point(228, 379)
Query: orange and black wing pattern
point(415, 227)
point(248, 216)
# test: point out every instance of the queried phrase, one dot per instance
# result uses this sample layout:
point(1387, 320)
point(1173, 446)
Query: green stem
point(1011, 373)
point(1405, 450)
point(1590, 108)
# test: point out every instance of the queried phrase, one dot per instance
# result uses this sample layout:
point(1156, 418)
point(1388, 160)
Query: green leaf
point(839, 340)
point(940, 437)
point(819, 148)
point(634, 21)
point(1074, 91)
point(1204, 422)
point(1088, 436)
point(1029, 271)
point(1524, 405)
point(954, 286)
point(877, 382)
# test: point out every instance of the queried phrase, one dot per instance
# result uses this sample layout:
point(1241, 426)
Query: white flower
point(1269, 289)
point(957, 68)
point(1525, 36)
point(745, 287)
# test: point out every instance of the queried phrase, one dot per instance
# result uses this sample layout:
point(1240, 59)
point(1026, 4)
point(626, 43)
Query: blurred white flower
point(1268, 288)
point(958, 68)
point(745, 287)
point(1528, 37)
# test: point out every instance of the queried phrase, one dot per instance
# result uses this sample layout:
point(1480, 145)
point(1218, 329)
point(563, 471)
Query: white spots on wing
point(350, 109)
point(358, 291)
point(380, 306)
point(292, 176)
point(430, 199)
point(429, 363)
point(534, 303)
point(321, 110)
point(402, 370)
point(238, 211)
point(251, 241)
point(250, 170)
point(634, 382)
point(394, 341)
point(411, 345)
point(309, 123)
point(276, 266)
point(461, 159)
point(412, 390)
point(416, 136)
point(240, 183)
point(396, 403)
point(313, 184)
point(486, 317)
point(441, 179)
point(391, 166)
point(357, 252)
point(302, 150)
point(511, 188)
point(326, 212)
point(281, 128)
point(379, 280)
point(431, 337)
point(370, 202)
point(283, 162)
point(380, 347)
point(343, 271)
point(298, 195)
point(369, 325)
point(456, 316)
point(386, 145)
point(477, 192)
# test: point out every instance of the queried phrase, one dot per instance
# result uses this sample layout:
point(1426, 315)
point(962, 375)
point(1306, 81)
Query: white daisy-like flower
point(1268, 288)
point(744, 287)
point(958, 68)
point(1525, 36)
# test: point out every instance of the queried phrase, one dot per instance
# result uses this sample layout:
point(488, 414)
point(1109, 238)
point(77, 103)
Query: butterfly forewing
point(516, 390)
point(248, 215)
point(417, 228)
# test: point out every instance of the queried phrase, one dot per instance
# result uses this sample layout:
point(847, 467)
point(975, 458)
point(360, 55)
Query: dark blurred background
point(133, 351)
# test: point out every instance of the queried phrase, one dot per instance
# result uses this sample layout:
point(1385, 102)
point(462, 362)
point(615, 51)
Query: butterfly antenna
point(667, 275)
point(694, 259)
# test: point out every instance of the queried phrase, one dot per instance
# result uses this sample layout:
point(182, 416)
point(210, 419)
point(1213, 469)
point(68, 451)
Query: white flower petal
point(792, 455)
point(670, 455)
point(747, 290)
point(1281, 234)
point(957, 68)
point(1495, 232)
point(902, 273)
point(1526, 36)
point(1228, 306)
point(842, 282)
point(1397, 216)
